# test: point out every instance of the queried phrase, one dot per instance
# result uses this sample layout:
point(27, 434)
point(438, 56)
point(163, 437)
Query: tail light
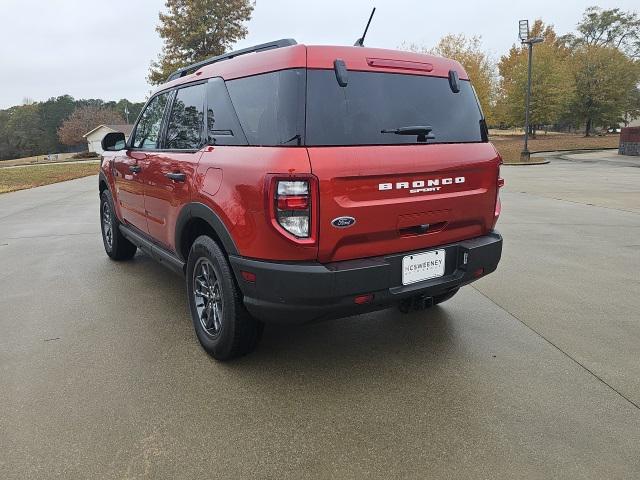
point(500, 179)
point(498, 209)
point(293, 207)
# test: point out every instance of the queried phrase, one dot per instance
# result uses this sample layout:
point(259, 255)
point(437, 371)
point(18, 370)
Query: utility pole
point(524, 38)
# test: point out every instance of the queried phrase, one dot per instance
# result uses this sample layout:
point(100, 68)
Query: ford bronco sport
point(294, 183)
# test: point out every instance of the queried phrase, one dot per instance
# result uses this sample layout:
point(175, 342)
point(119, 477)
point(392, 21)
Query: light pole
point(524, 38)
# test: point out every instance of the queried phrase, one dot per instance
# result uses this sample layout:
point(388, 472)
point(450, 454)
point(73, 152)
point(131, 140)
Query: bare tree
point(84, 119)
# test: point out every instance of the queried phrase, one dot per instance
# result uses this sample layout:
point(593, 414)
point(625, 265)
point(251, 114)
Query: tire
point(223, 326)
point(115, 244)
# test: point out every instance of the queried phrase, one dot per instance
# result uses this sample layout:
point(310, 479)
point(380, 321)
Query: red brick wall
point(630, 141)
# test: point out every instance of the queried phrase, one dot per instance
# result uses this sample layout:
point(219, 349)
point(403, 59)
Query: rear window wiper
point(422, 131)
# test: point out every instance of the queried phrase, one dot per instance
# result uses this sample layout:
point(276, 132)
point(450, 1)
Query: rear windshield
point(371, 102)
point(308, 107)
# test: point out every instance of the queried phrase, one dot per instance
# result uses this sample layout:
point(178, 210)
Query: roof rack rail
point(285, 42)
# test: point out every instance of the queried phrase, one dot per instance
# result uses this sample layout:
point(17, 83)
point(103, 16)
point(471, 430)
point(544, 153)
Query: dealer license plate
point(422, 266)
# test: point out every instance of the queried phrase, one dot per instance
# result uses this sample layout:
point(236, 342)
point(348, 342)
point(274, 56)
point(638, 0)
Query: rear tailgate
point(403, 197)
point(398, 142)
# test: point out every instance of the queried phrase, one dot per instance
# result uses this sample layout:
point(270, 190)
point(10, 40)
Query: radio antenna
point(360, 41)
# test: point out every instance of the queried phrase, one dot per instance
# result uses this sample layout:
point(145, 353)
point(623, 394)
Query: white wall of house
point(95, 145)
point(94, 139)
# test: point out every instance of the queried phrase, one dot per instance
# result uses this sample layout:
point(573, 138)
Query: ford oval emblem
point(343, 222)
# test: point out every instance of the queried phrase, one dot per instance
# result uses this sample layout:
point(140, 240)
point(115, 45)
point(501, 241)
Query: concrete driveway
point(532, 373)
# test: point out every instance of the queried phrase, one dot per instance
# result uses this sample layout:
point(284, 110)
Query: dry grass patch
point(510, 146)
point(38, 160)
point(19, 178)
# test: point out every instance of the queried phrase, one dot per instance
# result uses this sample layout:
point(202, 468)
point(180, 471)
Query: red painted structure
point(235, 186)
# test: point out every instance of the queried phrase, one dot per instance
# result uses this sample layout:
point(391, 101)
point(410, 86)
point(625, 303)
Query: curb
point(564, 152)
point(557, 154)
point(543, 161)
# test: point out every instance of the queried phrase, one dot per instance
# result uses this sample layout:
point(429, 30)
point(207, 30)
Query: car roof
point(323, 57)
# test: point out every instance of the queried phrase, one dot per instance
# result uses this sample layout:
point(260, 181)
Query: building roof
point(126, 129)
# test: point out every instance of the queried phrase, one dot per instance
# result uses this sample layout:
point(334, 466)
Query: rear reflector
point(479, 272)
point(362, 299)
point(248, 276)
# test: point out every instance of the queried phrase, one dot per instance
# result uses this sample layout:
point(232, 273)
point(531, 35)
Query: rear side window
point(148, 128)
point(186, 122)
point(372, 102)
point(271, 107)
point(223, 127)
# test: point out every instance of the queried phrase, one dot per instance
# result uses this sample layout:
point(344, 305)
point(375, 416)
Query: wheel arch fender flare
point(201, 211)
point(102, 178)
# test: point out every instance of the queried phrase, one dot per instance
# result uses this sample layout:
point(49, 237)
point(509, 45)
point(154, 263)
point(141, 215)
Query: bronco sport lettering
point(421, 183)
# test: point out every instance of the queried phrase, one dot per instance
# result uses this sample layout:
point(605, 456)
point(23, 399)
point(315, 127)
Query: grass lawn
point(510, 146)
point(19, 178)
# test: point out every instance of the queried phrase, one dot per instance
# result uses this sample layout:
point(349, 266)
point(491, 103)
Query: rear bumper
point(300, 292)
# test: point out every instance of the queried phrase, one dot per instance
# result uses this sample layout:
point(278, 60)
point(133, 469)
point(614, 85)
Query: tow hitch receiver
point(418, 302)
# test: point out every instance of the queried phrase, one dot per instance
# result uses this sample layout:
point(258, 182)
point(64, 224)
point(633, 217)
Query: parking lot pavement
point(571, 263)
point(610, 156)
point(531, 373)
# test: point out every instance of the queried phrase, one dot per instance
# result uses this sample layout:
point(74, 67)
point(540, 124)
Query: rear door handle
point(135, 168)
point(176, 176)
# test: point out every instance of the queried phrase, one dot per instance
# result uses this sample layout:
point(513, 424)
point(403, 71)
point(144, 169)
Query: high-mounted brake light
point(399, 64)
point(293, 207)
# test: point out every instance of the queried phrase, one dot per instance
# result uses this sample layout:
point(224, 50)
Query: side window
point(148, 128)
point(271, 107)
point(186, 122)
point(223, 127)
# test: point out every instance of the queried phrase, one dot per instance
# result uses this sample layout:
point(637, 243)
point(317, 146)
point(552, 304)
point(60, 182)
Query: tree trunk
point(587, 128)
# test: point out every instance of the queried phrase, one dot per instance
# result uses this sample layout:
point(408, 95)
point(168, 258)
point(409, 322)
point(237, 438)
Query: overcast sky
point(102, 49)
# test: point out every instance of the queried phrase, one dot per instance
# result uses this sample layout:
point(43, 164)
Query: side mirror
point(113, 141)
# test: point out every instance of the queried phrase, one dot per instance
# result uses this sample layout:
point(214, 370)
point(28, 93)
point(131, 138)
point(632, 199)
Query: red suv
point(294, 183)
